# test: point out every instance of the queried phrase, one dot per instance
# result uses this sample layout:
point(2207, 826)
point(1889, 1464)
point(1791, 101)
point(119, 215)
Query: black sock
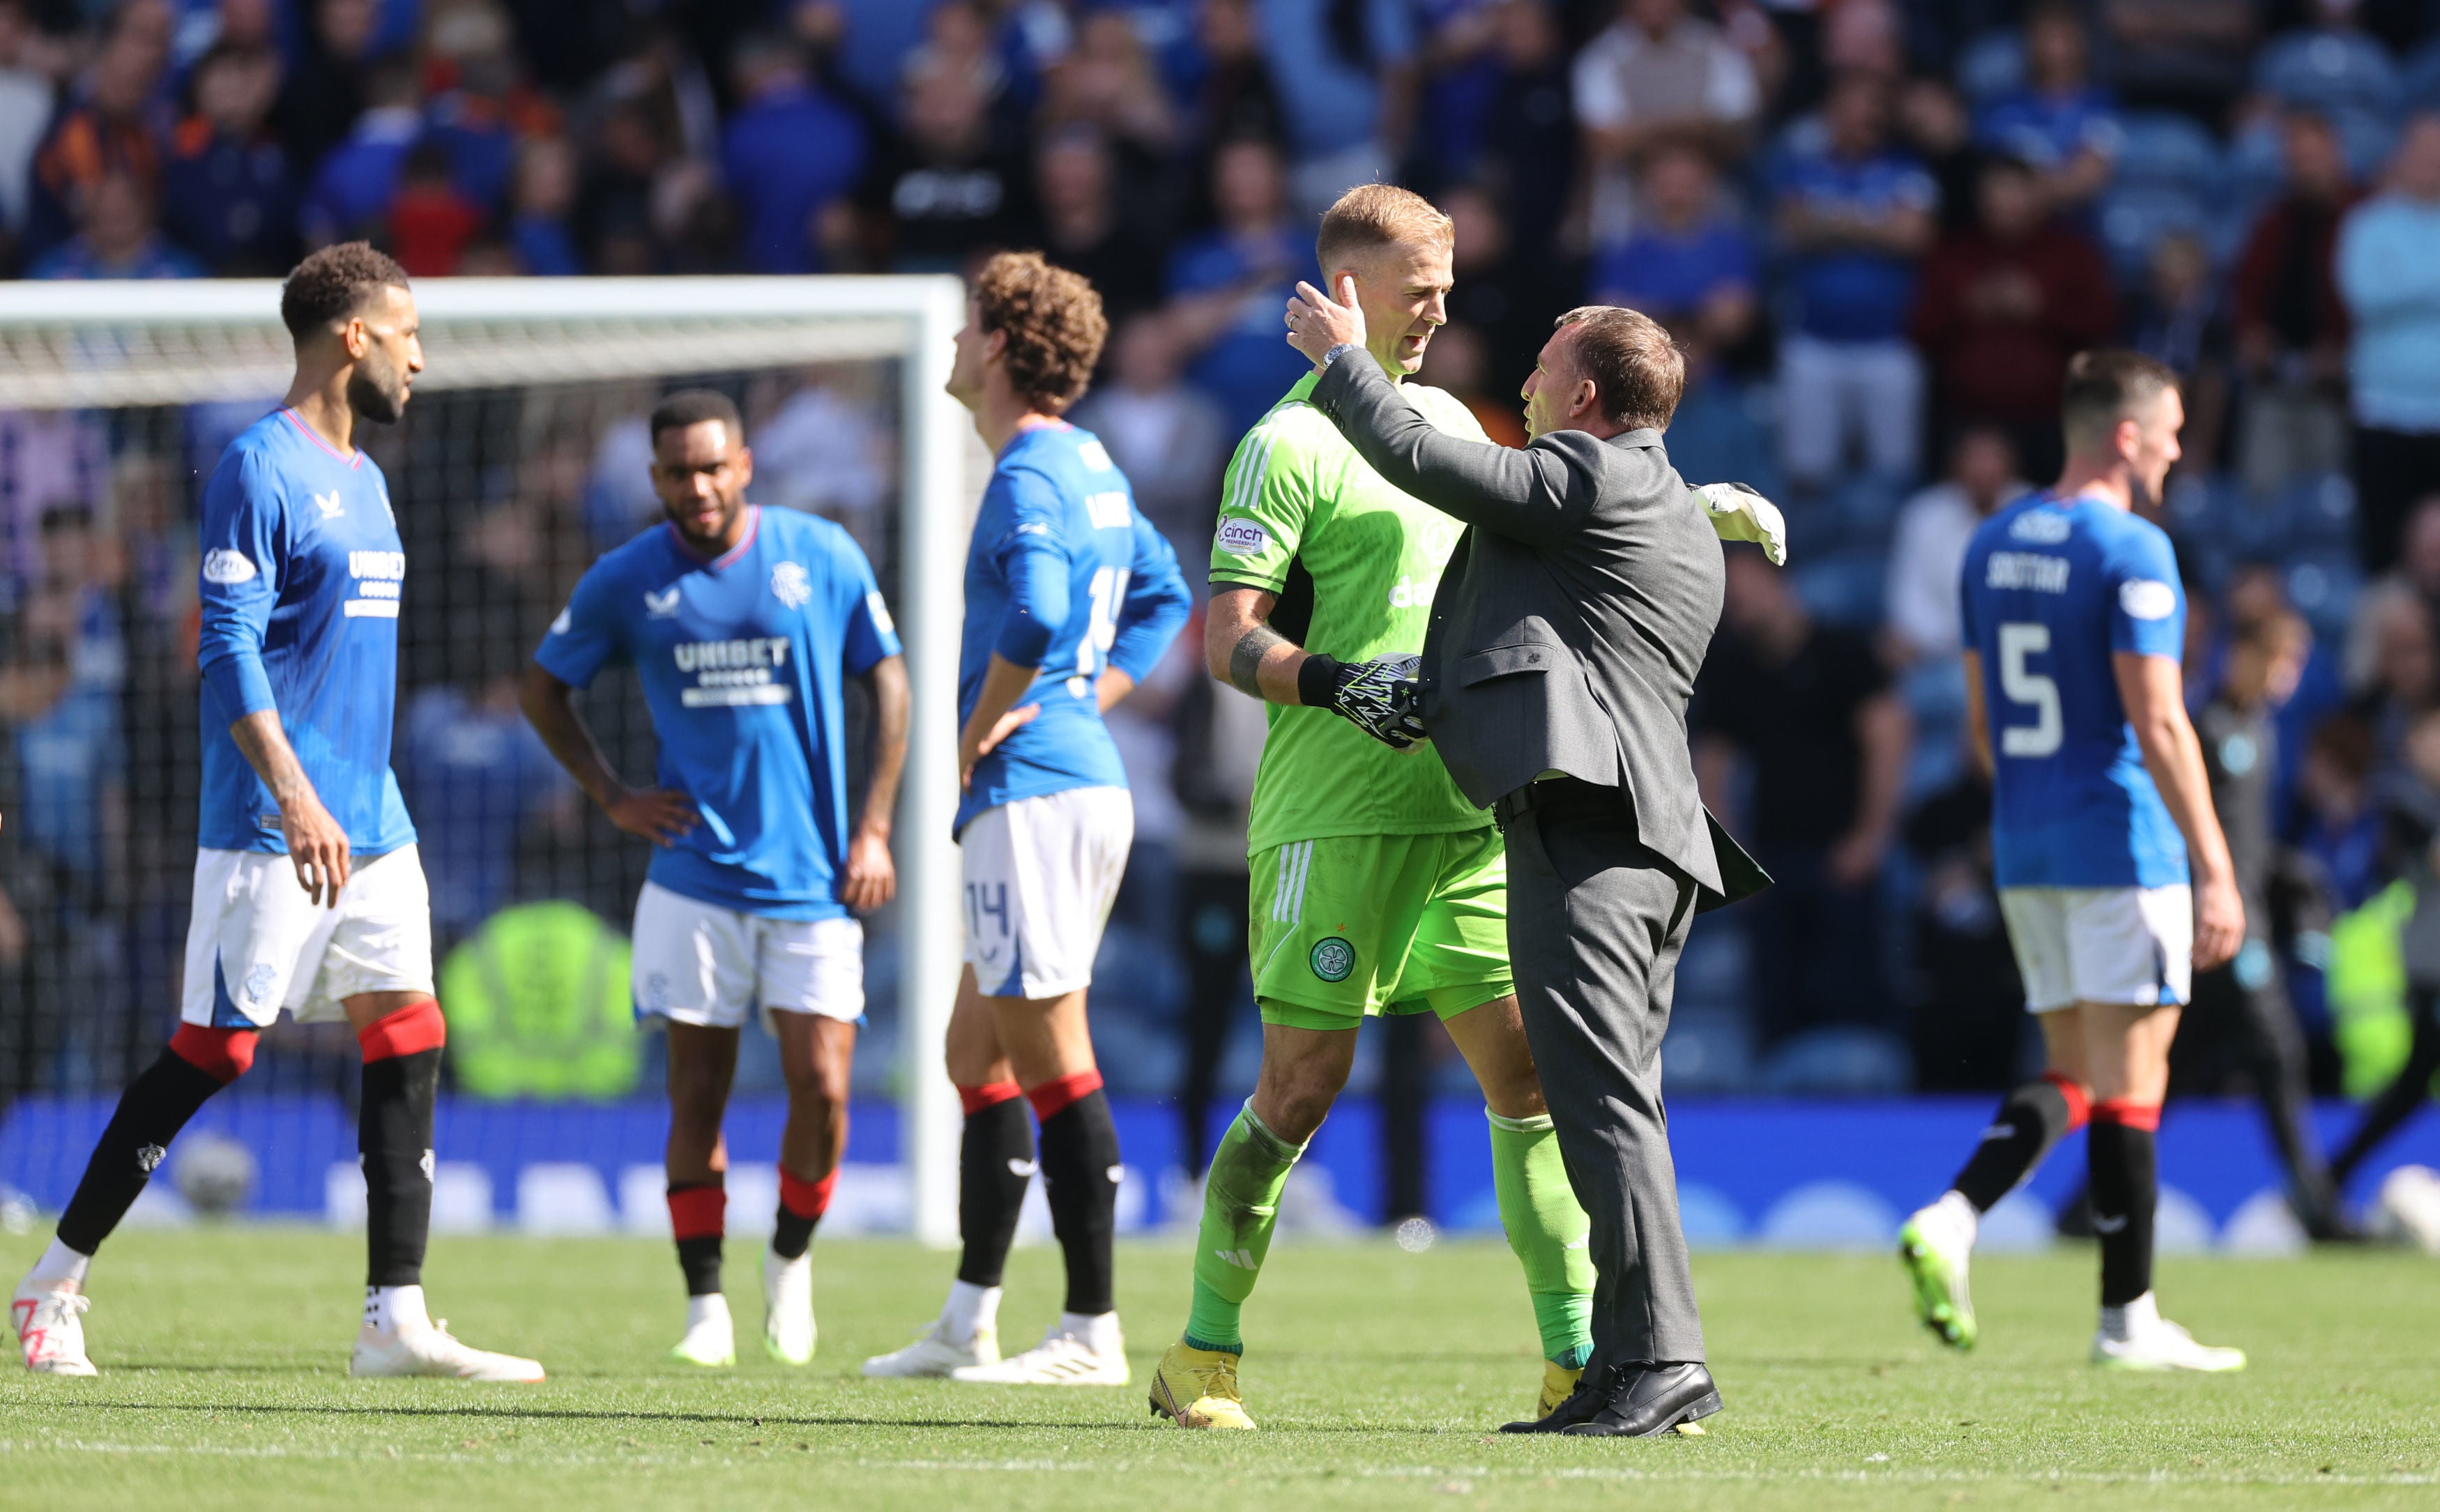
point(792, 1235)
point(699, 1252)
point(1079, 1169)
point(150, 1112)
point(2035, 1117)
point(995, 1164)
point(2125, 1176)
point(394, 1142)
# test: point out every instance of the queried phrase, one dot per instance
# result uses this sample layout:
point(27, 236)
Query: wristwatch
point(1336, 352)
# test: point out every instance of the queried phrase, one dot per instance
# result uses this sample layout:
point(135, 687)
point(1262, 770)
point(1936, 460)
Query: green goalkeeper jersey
point(1355, 563)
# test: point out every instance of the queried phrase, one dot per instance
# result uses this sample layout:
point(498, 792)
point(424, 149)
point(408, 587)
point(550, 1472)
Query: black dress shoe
point(1650, 1401)
point(1593, 1392)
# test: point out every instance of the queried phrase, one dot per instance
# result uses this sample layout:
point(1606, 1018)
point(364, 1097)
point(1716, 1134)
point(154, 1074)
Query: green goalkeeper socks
point(1547, 1229)
point(1241, 1207)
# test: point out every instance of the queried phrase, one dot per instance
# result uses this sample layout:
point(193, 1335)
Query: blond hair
point(1378, 215)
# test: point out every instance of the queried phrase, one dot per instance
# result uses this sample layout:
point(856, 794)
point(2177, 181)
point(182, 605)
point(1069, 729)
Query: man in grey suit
point(1564, 638)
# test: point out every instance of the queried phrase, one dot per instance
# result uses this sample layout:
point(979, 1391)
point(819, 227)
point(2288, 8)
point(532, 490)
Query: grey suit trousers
point(1596, 924)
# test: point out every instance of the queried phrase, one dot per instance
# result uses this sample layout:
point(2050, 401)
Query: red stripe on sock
point(1050, 1097)
point(2079, 1106)
point(698, 1212)
point(223, 1055)
point(975, 1099)
point(411, 1030)
point(2126, 1113)
point(806, 1200)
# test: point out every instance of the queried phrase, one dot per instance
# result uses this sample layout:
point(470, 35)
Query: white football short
point(258, 943)
point(1041, 875)
point(697, 963)
point(2131, 946)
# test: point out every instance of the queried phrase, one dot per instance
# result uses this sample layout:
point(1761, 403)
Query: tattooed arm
point(1242, 650)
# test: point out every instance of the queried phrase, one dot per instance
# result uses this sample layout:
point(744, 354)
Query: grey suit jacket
point(1572, 620)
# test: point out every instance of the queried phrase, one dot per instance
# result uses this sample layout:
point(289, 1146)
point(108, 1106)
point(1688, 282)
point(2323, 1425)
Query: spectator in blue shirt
point(1229, 285)
point(356, 180)
point(790, 152)
point(1854, 216)
point(1347, 77)
point(2062, 124)
point(2391, 281)
point(1687, 265)
point(116, 239)
point(226, 193)
point(539, 208)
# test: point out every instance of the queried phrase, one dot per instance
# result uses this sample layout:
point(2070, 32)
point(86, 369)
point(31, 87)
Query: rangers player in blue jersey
point(309, 896)
point(1071, 598)
point(741, 624)
point(2114, 878)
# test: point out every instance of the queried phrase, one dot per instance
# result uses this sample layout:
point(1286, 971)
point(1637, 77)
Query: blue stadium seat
point(1868, 509)
point(2322, 585)
point(2164, 148)
point(2135, 217)
point(2333, 70)
point(1843, 588)
point(1991, 64)
point(2418, 82)
point(2320, 511)
point(2369, 138)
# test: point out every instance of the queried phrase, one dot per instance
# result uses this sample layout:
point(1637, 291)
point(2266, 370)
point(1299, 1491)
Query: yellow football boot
point(1197, 1388)
point(1558, 1384)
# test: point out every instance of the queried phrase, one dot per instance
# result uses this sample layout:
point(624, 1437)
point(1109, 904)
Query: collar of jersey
point(353, 459)
point(753, 528)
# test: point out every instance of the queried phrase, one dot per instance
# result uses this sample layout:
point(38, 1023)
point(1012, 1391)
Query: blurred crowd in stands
point(1878, 228)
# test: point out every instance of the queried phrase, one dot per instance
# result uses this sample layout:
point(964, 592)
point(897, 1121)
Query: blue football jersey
point(2052, 588)
point(742, 661)
point(302, 574)
point(1063, 575)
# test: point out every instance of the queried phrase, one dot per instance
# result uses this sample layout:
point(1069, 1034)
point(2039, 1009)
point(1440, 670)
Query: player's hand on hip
point(871, 878)
point(974, 745)
point(2219, 923)
point(654, 813)
point(1379, 697)
point(1317, 322)
point(317, 847)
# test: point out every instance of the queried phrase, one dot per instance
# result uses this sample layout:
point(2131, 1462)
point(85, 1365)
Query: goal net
point(521, 458)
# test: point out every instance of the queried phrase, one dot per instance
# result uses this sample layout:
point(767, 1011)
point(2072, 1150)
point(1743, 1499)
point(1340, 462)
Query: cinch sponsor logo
point(1241, 537)
point(733, 673)
point(2027, 570)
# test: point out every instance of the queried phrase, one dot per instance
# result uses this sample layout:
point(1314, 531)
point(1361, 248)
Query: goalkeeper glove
point(1739, 513)
point(1379, 697)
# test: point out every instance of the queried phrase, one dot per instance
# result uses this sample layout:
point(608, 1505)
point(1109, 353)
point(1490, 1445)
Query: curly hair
point(334, 283)
point(1053, 322)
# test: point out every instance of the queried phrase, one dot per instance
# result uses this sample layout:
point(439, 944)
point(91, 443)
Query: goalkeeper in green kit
point(1377, 887)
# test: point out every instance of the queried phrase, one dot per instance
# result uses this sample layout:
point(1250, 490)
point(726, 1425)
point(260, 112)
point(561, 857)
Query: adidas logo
point(1242, 1259)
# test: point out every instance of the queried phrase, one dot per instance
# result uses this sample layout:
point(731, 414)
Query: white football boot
point(936, 1355)
point(788, 1308)
point(2140, 1339)
point(50, 1328)
point(1067, 1356)
point(711, 1338)
point(2408, 1207)
point(410, 1342)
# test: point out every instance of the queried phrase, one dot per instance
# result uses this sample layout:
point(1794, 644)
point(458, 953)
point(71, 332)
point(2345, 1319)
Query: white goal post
point(119, 344)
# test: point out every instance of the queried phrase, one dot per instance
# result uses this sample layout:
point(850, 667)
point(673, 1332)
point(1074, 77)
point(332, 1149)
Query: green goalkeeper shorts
point(1359, 924)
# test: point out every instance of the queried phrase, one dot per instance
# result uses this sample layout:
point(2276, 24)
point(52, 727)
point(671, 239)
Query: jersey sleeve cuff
point(240, 683)
point(1247, 580)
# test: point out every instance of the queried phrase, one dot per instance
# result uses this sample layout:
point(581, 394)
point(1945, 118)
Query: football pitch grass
point(1377, 1376)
